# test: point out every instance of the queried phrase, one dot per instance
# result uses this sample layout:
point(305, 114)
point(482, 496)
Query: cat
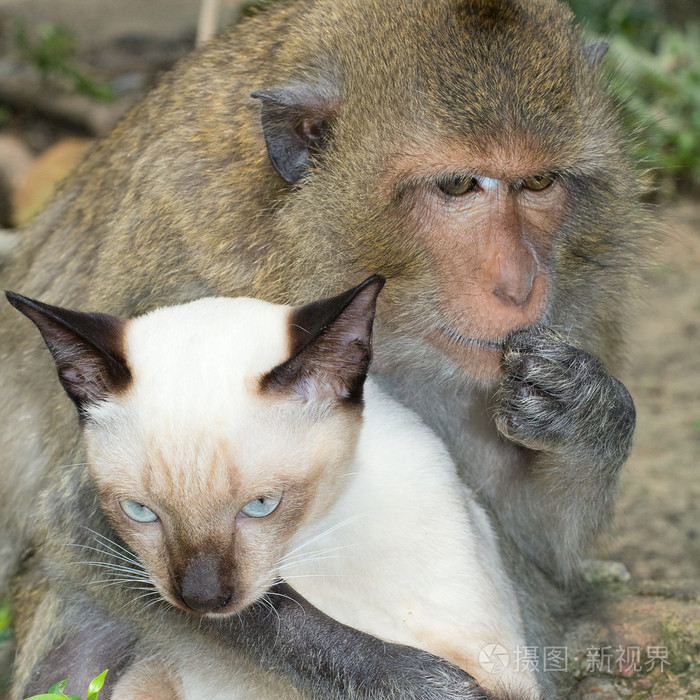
point(234, 443)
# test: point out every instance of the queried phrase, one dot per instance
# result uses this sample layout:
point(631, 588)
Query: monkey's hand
point(577, 422)
point(330, 660)
point(557, 398)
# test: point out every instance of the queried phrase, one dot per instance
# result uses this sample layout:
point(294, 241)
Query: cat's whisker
point(152, 602)
point(328, 531)
point(299, 562)
point(148, 594)
point(122, 579)
point(305, 557)
point(120, 567)
point(114, 567)
point(295, 577)
point(112, 546)
point(110, 564)
point(150, 590)
point(266, 602)
point(102, 550)
point(146, 591)
point(282, 595)
point(290, 555)
point(70, 466)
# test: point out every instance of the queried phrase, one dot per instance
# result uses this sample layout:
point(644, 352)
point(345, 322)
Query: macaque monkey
point(466, 150)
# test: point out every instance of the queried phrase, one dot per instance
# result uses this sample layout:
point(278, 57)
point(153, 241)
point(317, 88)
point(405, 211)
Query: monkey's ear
point(86, 347)
point(595, 51)
point(295, 122)
point(331, 342)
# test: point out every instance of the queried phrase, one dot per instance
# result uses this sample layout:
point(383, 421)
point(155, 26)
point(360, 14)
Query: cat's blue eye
point(260, 507)
point(138, 512)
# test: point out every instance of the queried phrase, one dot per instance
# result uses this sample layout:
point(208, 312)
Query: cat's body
point(253, 451)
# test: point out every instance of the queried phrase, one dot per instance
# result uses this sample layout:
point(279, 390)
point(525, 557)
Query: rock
point(597, 571)
point(15, 158)
point(42, 177)
point(597, 689)
point(635, 640)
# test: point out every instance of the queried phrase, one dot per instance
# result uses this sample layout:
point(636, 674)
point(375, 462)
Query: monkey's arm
point(63, 634)
point(329, 660)
point(70, 636)
point(577, 421)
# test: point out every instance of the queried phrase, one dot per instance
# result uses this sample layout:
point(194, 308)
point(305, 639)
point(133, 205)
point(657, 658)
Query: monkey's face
point(486, 231)
point(467, 241)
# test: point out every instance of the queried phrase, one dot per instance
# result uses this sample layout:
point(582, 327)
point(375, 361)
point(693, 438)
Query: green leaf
point(55, 692)
point(59, 687)
point(96, 685)
point(5, 620)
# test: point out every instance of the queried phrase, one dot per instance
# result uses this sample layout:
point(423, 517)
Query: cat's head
point(215, 430)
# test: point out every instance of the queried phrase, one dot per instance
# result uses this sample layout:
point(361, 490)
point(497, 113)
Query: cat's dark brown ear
point(86, 347)
point(331, 342)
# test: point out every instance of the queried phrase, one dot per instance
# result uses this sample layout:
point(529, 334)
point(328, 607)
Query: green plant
point(5, 622)
point(638, 20)
point(660, 94)
point(53, 52)
point(55, 692)
point(655, 74)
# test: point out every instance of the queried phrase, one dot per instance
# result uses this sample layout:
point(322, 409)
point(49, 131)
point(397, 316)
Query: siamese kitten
point(235, 442)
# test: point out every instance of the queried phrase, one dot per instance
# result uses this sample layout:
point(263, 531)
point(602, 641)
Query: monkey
point(468, 151)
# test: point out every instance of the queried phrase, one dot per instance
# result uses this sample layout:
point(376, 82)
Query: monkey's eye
point(138, 512)
point(457, 185)
point(262, 506)
point(536, 183)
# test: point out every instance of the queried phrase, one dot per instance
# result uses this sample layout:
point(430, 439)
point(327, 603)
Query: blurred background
point(70, 68)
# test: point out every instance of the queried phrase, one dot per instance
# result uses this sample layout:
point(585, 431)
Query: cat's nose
point(204, 586)
point(202, 602)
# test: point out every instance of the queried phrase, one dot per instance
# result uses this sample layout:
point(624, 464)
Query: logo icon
point(493, 658)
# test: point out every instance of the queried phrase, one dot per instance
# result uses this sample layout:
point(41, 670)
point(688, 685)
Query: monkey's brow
point(451, 173)
point(449, 176)
point(414, 180)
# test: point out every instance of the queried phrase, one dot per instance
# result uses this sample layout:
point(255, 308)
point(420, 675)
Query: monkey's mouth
point(479, 358)
point(454, 337)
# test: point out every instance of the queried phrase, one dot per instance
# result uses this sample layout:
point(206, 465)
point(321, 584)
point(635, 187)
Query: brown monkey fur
point(393, 98)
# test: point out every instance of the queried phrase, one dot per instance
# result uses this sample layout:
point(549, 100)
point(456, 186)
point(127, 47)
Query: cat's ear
point(331, 343)
point(86, 347)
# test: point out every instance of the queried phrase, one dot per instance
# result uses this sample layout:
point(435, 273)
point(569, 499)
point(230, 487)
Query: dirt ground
point(657, 531)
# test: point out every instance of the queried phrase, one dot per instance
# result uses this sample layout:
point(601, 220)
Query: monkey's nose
point(513, 280)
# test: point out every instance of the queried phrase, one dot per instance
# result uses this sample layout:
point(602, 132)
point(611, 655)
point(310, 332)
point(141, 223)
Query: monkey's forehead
point(478, 68)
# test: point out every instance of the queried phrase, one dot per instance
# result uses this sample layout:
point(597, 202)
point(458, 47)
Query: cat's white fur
point(388, 539)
